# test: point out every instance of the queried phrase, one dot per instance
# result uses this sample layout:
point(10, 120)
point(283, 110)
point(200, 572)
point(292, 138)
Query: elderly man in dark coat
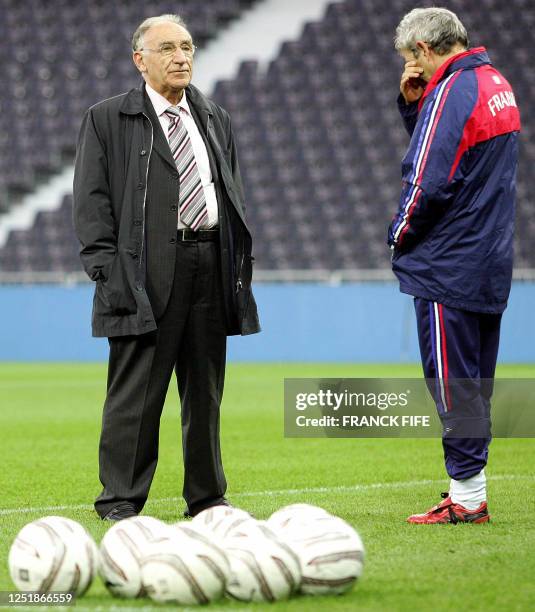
point(159, 212)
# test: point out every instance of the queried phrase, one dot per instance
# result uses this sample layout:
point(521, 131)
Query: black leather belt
point(189, 235)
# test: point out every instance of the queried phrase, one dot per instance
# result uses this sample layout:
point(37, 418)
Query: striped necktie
point(192, 203)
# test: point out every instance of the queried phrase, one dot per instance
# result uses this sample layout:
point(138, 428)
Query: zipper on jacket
point(146, 187)
point(239, 284)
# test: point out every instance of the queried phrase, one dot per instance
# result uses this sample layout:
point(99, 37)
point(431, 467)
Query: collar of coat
point(134, 102)
point(461, 61)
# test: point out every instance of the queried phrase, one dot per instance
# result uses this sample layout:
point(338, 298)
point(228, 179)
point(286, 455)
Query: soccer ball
point(192, 534)
point(184, 568)
point(121, 550)
point(250, 528)
point(262, 567)
point(294, 515)
point(53, 553)
point(220, 520)
point(331, 554)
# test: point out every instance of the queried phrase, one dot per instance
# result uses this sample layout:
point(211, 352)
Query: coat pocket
point(243, 285)
point(115, 292)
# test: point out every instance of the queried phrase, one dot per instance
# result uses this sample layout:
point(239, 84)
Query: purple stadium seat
point(319, 136)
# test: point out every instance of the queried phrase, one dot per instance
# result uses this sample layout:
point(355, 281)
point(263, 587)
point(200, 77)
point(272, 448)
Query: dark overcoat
point(126, 189)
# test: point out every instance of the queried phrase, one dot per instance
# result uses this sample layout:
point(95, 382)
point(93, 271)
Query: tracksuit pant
point(459, 351)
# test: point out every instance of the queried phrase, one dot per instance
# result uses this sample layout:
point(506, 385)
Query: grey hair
point(137, 38)
point(438, 27)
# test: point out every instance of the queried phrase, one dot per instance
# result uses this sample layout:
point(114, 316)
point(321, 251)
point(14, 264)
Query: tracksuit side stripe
point(423, 150)
point(440, 340)
point(429, 129)
point(430, 117)
point(438, 106)
point(433, 345)
point(445, 364)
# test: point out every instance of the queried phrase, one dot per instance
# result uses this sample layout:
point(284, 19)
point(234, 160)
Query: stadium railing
point(329, 277)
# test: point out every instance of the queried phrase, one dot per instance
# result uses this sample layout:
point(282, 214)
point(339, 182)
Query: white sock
point(470, 492)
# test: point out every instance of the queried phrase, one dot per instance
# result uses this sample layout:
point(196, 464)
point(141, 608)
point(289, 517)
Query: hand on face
point(412, 84)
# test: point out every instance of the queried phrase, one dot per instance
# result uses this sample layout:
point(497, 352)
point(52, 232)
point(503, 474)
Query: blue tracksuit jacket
point(452, 236)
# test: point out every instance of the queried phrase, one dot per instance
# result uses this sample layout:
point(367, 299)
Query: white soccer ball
point(184, 568)
point(294, 515)
point(53, 553)
point(121, 550)
point(262, 567)
point(331, 554)
point(220, 520)
point(204, 544)
point(250, 528)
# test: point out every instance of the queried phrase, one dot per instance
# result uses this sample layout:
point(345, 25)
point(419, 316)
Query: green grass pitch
point(50, 420)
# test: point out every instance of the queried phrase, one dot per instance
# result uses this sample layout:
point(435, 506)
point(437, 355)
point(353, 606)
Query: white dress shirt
point(160, 105)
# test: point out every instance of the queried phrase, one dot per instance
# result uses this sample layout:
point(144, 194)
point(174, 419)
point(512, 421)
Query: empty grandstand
point(319, 135)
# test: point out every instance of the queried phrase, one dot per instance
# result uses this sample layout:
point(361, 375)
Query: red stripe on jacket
point(491, 116)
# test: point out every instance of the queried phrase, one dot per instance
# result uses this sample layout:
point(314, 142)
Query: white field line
point(52, 384)
point(306, 491)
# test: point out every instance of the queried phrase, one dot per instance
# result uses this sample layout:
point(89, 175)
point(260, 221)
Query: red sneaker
point(448, 512)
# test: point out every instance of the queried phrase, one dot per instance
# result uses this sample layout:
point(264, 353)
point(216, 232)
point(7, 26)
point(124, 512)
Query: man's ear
point(137, 57)
point(423, 47)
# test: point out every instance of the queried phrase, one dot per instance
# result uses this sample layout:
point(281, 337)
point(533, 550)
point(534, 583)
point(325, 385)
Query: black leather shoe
point(197, 510)
point(120, 511)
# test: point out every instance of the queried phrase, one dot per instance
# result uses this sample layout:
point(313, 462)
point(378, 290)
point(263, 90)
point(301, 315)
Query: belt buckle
point(185, 235)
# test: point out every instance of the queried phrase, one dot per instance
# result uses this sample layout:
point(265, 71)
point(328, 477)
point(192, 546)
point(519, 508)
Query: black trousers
point(191, 339)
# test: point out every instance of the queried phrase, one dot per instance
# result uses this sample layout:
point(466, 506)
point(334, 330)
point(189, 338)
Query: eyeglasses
point(169, 49)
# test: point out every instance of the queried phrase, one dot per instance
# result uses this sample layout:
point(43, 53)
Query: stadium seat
point(319, 136)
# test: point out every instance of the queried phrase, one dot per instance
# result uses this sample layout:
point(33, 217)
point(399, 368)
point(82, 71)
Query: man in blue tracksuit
point(452, 236)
